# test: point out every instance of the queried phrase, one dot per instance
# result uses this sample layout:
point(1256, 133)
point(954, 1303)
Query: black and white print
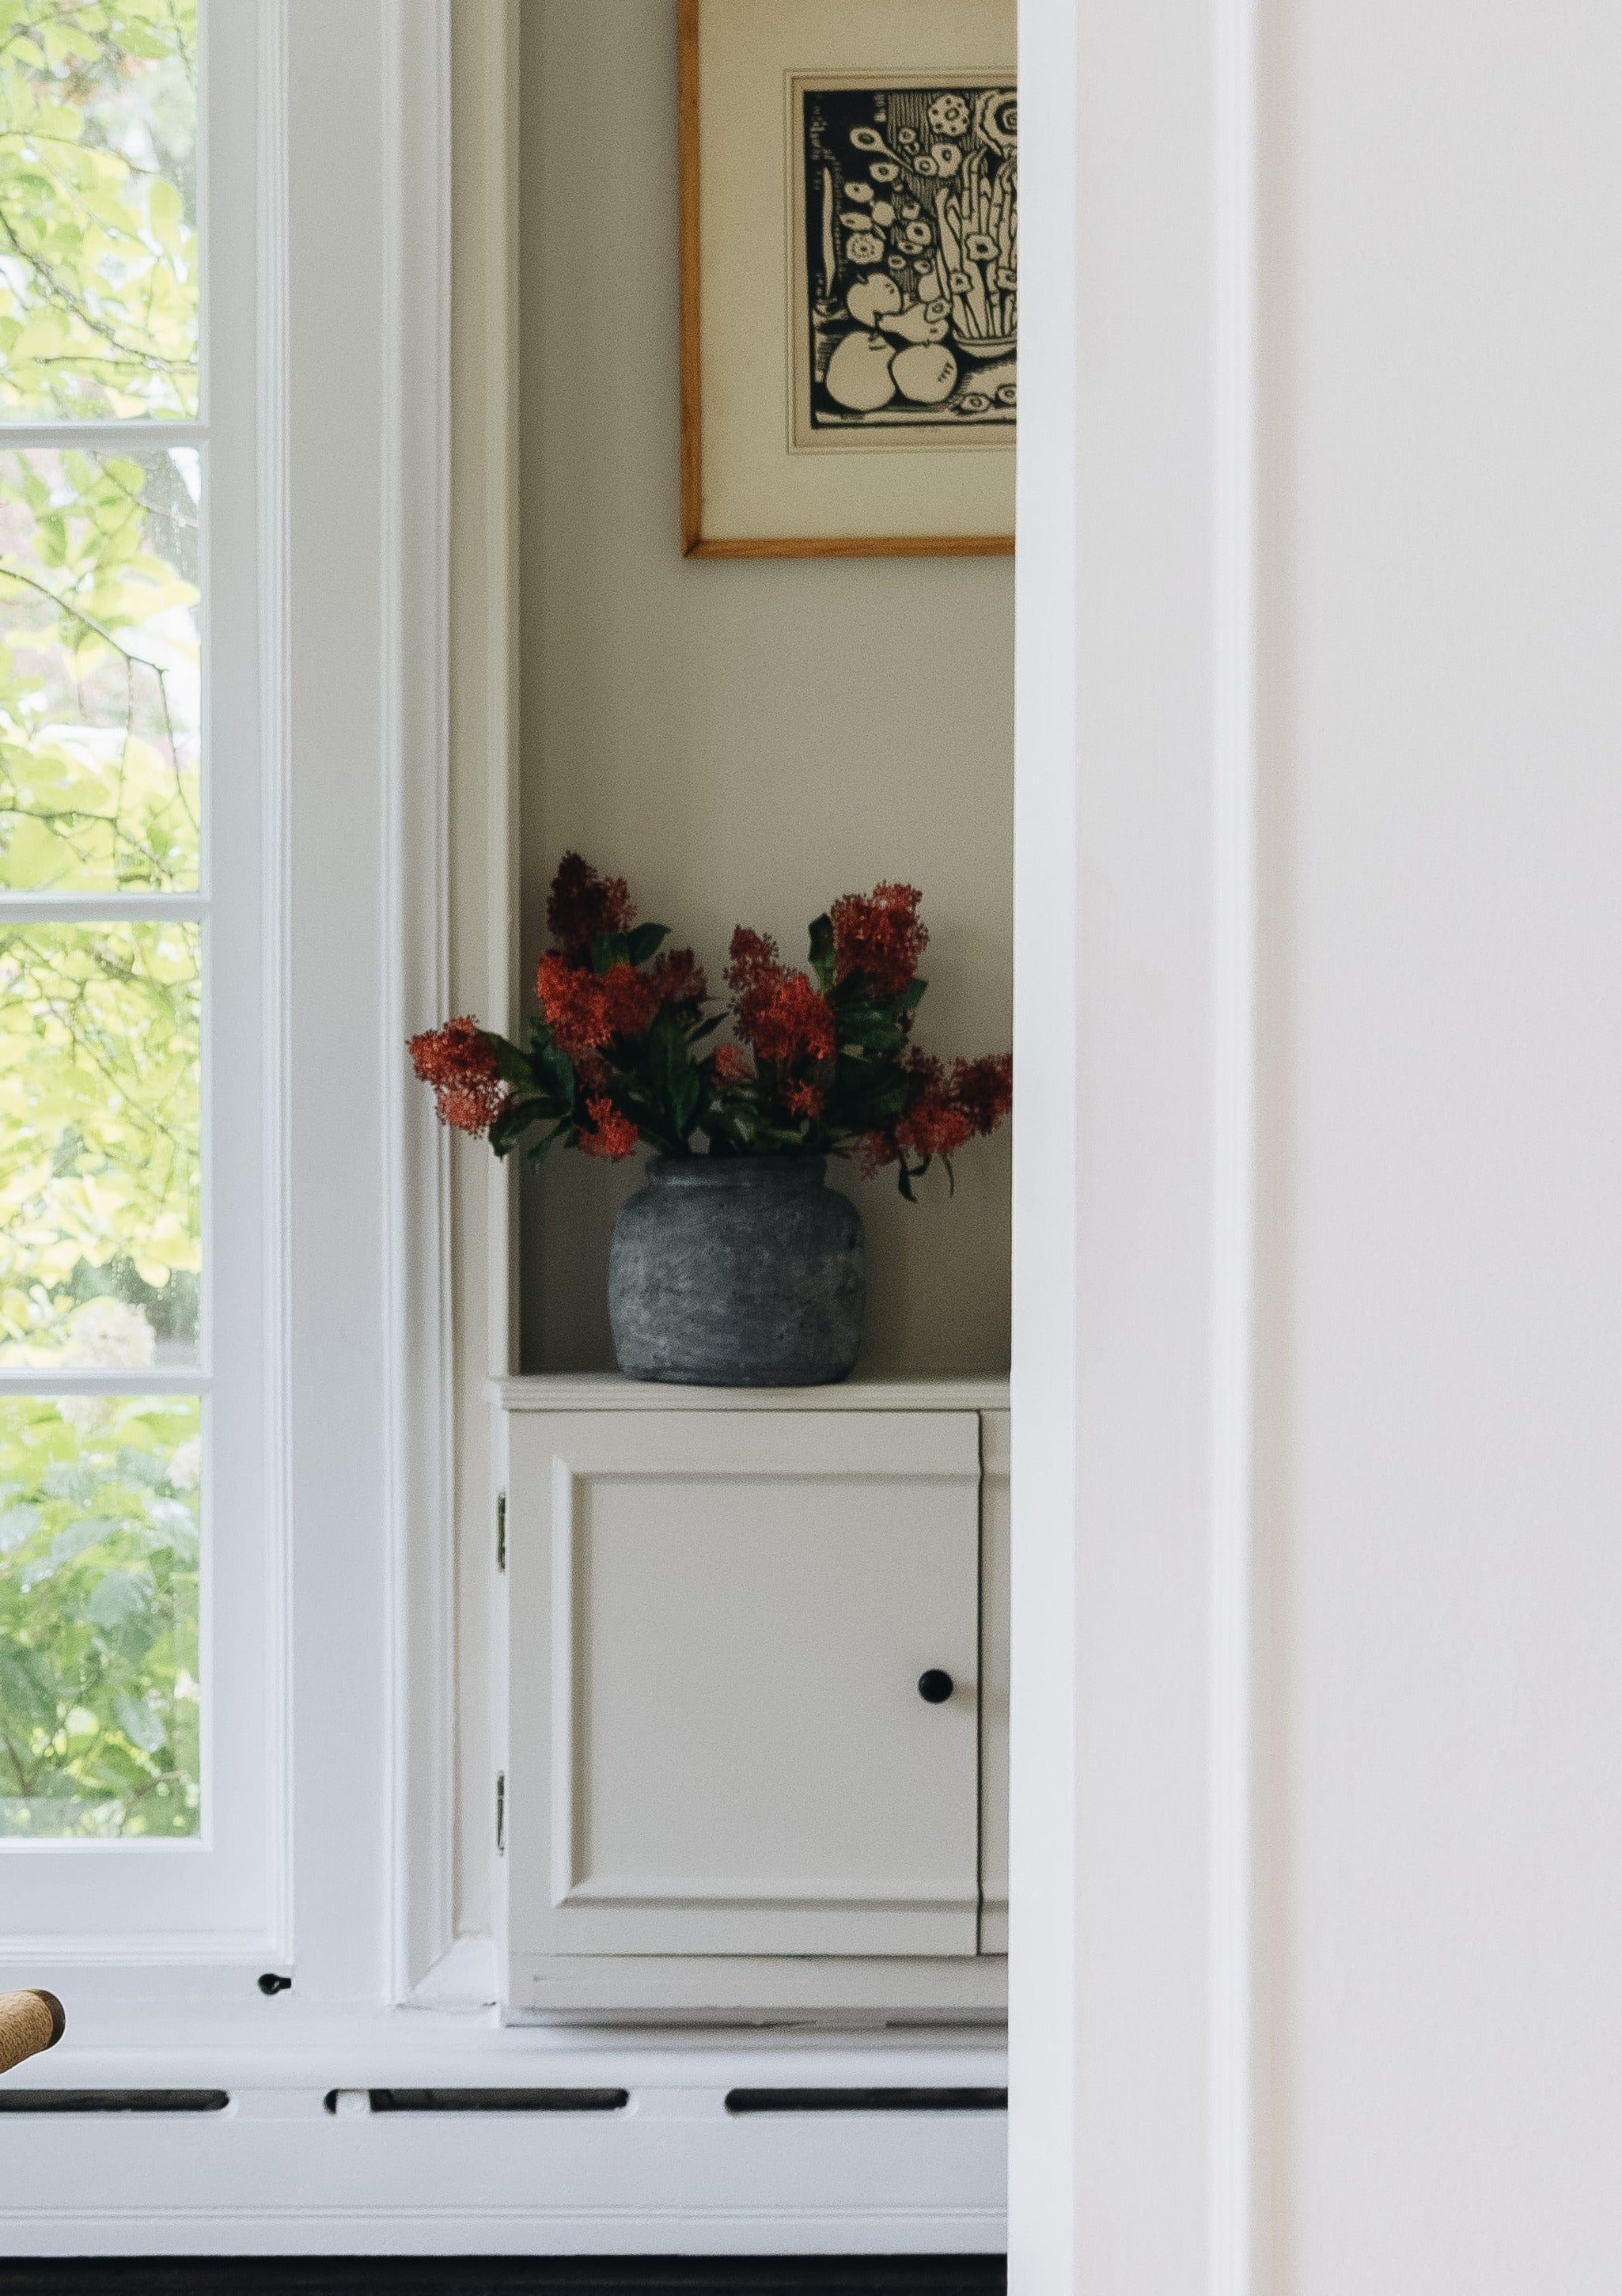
point(908, 306)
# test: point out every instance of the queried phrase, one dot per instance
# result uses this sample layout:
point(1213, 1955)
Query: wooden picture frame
point(922, 463)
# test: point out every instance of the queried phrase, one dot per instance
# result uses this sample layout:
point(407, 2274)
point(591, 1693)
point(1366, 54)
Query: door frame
point(1134, 2138)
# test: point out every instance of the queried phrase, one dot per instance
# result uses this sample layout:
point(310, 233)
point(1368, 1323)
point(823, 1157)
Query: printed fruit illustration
point(859, 374)
point(924, 372)
point(921, 322)
point(870, 298)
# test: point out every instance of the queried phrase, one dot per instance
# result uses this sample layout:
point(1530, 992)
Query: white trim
point(1231, 2202)
point(464, 1978)
point(275, 721)
point(1131, 1914)
point(419, 1434)
point(274, 2173)
point(94, 908)
point(608, 1391)
point(16, 437)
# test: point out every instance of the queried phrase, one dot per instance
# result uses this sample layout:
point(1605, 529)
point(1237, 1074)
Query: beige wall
point(744, 742)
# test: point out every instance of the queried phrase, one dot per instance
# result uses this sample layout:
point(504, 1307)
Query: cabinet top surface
point(611, 1391)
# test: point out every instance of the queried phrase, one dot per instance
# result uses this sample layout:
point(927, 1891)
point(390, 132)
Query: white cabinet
point(742, 1710)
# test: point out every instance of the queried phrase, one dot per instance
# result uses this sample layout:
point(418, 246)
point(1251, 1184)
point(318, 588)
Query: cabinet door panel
point(718, 1626)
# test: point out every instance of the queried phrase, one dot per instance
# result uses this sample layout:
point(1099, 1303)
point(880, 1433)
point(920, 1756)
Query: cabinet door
point(717, 1623)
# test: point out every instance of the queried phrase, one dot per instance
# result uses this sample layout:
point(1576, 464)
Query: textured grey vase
point(737, 1271)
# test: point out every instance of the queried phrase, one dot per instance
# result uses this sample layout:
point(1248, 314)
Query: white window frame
point(218, 1897)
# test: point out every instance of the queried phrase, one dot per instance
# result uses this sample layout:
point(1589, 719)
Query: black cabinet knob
point(936, 1686)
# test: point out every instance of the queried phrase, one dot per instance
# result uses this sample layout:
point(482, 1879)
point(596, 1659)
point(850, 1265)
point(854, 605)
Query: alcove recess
point(743, 740)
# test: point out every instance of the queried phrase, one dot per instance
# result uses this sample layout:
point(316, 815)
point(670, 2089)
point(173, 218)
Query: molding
point(275, 719)
point(274, 2173)
point(418, 1406)
point(464, 1978)
point(1231, 2104)
point(609, 1392)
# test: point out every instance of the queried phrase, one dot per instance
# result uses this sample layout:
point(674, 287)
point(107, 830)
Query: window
point(133, 1688)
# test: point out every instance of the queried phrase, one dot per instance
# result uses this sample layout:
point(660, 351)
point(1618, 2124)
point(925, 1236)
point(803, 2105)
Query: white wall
point(1442, 1207)
point(1317, 1880)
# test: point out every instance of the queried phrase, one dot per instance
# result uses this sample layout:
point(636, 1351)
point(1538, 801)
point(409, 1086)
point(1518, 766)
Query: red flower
point(783, 1014)
point(754, 963)
point(612, 1135)
point(933, 1125)
point(585, 1011)
point(730, 1067)
point(459, 1061)
point(678, 980)
point(582, 905)
point(946, 1111)
point(878, 934)
point(804, 1100)
point(984, 1089)
point(786, 1020)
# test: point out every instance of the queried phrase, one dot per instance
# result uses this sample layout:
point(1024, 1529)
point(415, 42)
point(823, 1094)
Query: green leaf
point(821, 952)
point(644, 941)
point(609, 949)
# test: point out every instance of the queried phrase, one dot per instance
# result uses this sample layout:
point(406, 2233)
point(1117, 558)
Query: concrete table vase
point(737, 1271)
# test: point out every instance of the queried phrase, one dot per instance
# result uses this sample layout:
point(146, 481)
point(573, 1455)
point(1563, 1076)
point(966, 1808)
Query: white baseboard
point(672, 2173)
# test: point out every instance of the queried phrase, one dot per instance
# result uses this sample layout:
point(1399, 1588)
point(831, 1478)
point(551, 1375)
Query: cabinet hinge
point(501, 1813)
point(501, 1530)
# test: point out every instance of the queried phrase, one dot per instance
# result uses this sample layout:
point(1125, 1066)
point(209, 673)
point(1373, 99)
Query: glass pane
point(100, 693)
point(98, 208)
point(100, 1239)
point(98, 1615)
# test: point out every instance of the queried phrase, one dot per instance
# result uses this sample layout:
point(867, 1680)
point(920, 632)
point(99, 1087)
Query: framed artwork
point(849, 277)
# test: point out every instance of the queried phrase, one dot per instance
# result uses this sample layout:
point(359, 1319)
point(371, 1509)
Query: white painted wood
point(672, 2173)
point(608, 1391)
point(996, 1517)
point(723, 1990)
point(419, 1432)
point(716, 1629)
point(1129, 1853)
point(1316, 1721)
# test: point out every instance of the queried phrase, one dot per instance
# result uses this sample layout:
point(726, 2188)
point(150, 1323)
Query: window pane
point(98, 1615)
point(100, 1239)
point(100, 698)
point(98, 208)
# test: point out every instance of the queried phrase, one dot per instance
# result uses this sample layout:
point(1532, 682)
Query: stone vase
point(737, 1271)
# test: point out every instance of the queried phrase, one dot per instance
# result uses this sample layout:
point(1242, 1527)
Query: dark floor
point(507, 2275)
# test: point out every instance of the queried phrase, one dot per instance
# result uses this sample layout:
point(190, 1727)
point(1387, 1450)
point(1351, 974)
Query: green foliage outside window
point(98, 1615)
point(99, 1021)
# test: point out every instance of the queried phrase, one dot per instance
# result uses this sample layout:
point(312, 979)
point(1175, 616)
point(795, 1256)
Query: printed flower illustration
point(996, 119)
point(865, 247)
point(948, 158)
point(949, 115)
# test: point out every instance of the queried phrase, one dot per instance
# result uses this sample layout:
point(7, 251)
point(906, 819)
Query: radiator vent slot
point(487, 2100)
point(867, 2099)
point(114, 2100)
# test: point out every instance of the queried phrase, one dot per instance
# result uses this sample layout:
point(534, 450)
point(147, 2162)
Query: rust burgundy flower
point(878, 934)
point(460, 1062)
point(620, 1053)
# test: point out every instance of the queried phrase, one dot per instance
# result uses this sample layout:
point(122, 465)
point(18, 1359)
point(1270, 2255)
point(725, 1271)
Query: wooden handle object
point(29, 2023)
